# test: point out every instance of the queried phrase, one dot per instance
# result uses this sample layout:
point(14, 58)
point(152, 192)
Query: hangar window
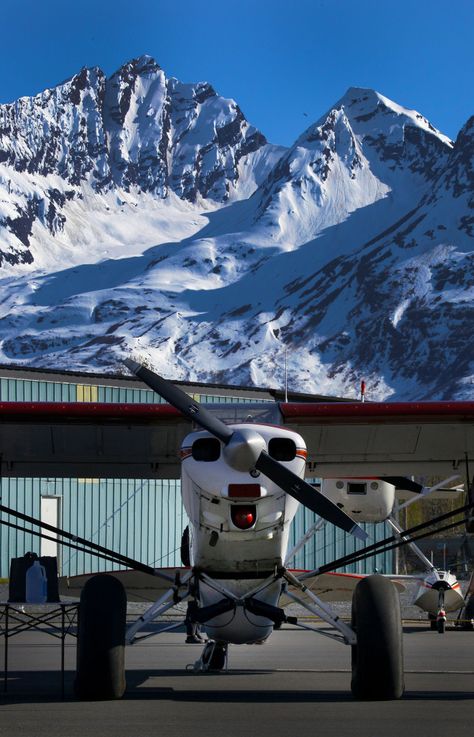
point(282, 449)
point(206, 449)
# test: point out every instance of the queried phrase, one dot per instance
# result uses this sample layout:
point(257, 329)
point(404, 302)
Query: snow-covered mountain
point(101, 144)
point(180, 236)
point(365, 149)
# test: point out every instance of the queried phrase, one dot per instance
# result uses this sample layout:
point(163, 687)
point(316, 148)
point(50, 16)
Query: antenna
point(286, 374)
point(362, 391)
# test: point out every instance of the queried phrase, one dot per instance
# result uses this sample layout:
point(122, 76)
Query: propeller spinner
point(246, 449)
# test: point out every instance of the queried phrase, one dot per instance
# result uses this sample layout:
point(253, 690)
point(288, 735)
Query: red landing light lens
point(243, 517)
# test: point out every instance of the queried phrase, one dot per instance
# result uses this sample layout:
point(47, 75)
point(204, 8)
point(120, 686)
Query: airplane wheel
point(214, 655)
point(441, 626)
point(101, 639)
point(433, 622)
point(377, 659)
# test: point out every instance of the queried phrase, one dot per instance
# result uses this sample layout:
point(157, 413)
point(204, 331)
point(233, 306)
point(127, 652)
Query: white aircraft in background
point(241, 485)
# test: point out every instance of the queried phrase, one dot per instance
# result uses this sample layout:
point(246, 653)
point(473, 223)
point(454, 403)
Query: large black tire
point(101, 640)
point(377, 659)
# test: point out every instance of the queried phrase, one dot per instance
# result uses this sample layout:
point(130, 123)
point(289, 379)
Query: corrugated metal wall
point(329, 544)
point(22, 390)
point(26, 390)
point(141, 519)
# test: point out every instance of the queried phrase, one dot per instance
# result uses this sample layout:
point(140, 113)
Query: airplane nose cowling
point(243, 449)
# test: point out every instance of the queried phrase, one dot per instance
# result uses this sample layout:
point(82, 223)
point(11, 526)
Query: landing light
point(243, 517)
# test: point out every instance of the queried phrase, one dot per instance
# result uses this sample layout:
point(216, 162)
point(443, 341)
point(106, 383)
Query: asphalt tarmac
point(297, 683)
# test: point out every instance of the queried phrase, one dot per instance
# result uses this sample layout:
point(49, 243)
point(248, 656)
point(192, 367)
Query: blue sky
point(285, 63)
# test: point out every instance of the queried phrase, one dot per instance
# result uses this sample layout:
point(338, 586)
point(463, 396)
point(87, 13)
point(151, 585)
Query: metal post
point(63, 637)
point(5, 686)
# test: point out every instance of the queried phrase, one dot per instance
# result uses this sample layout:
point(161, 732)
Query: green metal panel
point(133, 396)
point(26, 390)
point(216, 399)
point(23, 495)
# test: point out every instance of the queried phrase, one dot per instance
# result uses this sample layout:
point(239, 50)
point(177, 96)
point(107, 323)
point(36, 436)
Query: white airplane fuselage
point(227, 507)
point(427, 596)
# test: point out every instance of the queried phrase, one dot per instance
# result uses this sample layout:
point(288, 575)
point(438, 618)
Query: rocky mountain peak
point(144, 64)
point(58, 131)
point(89, 79)
point(136, 131)
point(363, 105)
point(362, 149)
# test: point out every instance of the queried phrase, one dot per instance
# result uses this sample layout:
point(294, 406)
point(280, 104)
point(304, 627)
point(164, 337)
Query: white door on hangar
point(50, 515)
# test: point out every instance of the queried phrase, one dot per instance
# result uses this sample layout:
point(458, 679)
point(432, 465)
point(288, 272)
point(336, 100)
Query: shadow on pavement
point(45, 687)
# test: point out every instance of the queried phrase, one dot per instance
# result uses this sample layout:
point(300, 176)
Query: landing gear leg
point(377, 658)
point(213, 658)
point(441, 614)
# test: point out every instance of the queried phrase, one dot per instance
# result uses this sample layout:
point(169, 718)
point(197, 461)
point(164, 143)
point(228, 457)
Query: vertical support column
point(63, 637)
point(5, 682)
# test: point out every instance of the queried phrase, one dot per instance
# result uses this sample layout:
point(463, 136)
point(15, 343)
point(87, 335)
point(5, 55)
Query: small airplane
point(241, 484)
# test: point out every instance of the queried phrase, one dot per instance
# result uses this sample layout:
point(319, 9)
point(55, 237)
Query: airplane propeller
point(244, 450)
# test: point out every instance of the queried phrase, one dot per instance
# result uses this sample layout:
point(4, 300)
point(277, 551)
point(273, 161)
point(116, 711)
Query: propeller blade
point(401, 483)
point(303, 492)
point(181, 401)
